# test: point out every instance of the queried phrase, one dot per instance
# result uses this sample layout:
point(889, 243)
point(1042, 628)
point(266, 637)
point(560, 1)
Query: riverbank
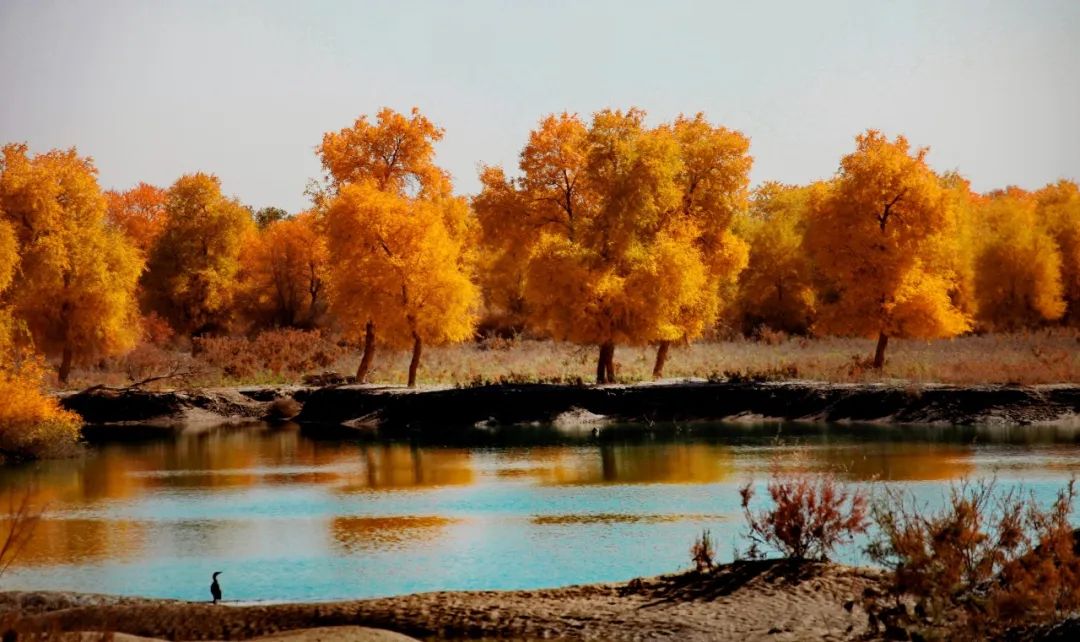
point(446, 412)
point(766, 600)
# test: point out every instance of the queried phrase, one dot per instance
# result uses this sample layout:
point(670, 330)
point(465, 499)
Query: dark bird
point(215, 588)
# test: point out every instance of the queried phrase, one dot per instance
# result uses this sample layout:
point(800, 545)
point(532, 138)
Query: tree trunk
point(610, 365)
point(879, 354)
point(603, 363)
point(417, 347)
point(661, 359)
point(65, 366)
point(369, 353)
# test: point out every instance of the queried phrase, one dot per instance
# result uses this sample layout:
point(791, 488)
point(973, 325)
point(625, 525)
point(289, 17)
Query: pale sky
point(152, 90)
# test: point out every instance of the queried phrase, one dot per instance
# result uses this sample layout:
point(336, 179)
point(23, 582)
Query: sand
point(743, 601)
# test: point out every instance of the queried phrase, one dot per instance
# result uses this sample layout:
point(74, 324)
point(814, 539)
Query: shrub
point(703, 552)
point(984, 563)
point(277, 353)
point(809, 516)
point(32, 424)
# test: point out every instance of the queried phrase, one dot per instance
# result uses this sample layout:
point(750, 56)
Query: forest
point(610, 233)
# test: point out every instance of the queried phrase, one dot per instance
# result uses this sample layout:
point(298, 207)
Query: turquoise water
point(288, 517)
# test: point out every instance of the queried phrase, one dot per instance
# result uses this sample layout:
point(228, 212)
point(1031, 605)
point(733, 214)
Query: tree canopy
point(875, 237)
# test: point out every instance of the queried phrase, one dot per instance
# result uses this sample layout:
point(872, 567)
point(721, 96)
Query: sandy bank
point(741, 601)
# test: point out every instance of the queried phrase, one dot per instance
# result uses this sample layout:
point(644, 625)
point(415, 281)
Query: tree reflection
point(644, 464)
point(357, 533)
point(80, 541)
point(403, 466)
point(896, 461)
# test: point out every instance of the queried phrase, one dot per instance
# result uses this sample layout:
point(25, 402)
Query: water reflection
point(266, 504)
point(356, 533)
point(670, 463)
point(402, 466)
point(83, 541)
point(620, 518)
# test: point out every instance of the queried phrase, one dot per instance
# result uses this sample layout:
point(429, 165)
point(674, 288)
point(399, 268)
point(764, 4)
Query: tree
point(777, 290)
point(615, 232)
point(139, 213)
point(1018, 267)
point(267, 216)
point(1059, 208)
point(400, 266)
point(191, 279)
point(714, 182)
point(76, 278)
point(875, 238)
point(958, 251)
point(9, 253)
point(284, 274)
point(396, 154)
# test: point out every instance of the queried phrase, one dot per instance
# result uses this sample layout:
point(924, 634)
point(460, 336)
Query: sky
point(245, 90)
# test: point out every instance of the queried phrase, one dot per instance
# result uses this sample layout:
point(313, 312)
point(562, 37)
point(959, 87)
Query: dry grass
point(1032, 358)
point(1051, 356)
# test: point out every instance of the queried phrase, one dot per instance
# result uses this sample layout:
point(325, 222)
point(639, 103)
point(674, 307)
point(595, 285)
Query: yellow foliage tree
point(396, 152)
point(399, 265)
point(139, 213)
point(191, 278)
point(615, 232)
point(76, 278)
point(284, 274)
point(1018, 267)
point(875, 237)
point(714, 184)
point(387, 195)
point(776, 290)
point(958, 251)
point(1059, 209)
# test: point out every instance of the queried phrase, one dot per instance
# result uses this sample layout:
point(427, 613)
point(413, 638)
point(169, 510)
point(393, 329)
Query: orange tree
point(75, 284)
point(1059, 207)
point(1017, 265)
point(191, 277)
point(399, 243)
point(616, 232)
point(776, 290)
point(876, 237)
point(283, 274)
point(139, 212)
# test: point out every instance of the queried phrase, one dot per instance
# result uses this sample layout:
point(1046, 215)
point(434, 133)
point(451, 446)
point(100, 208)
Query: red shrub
point(985, 562)
point(809, 516)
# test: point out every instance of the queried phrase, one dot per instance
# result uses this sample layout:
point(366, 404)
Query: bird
point(215, 588)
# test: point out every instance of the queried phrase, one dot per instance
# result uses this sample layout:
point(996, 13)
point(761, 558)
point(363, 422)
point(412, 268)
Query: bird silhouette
point(215, 588)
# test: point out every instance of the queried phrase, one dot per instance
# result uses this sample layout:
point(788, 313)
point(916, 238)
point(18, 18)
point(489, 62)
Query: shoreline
point(473, 412)
point(750, 600)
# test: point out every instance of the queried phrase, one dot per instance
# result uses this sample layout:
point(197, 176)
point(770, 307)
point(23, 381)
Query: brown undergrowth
point(285, 356)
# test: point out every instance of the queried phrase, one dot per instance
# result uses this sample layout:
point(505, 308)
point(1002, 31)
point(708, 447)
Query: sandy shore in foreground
point(741, 601)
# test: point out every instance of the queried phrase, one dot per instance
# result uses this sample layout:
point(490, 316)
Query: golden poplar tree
point(1018, 266)
point(616, 232)
point(76, 279)
point(191, 278)
point(139, 213)
point(777, 290)
point(714, 184)
point(876, 237)
point(399, 244)
point(959, 250)
point(284, 274)
point(1059, 209)
point(399, 264)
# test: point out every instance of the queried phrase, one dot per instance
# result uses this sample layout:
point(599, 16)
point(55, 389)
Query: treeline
point(611, 232)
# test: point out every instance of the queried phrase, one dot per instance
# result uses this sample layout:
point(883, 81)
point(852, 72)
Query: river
point(288, 515)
